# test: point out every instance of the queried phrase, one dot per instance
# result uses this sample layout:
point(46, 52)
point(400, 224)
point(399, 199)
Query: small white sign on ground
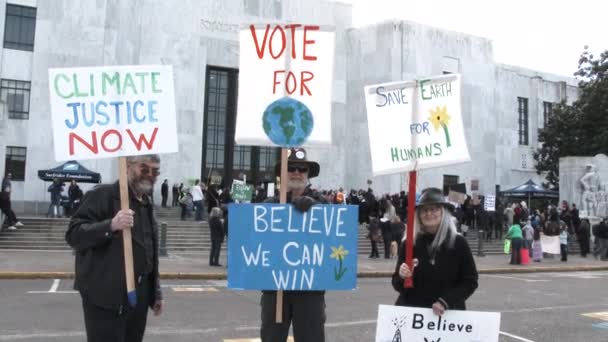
point(401, 323)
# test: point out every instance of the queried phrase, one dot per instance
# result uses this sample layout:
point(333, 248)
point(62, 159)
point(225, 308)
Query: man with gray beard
point(306, 309)
point(95, 234)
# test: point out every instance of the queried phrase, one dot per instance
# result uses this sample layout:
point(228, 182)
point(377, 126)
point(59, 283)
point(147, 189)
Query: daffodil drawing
point(339, 254)
point(440, 118)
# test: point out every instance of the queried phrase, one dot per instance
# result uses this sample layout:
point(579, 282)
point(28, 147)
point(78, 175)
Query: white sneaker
point(12, 228)
point(19, 224)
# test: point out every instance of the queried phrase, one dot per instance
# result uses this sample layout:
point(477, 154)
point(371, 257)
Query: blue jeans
point(198, 205)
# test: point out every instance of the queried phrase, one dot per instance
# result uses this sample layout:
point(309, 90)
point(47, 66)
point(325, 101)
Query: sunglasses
point(300, 169)
point(145, 170)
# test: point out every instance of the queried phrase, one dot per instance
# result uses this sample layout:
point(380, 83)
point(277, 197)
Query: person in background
point(515, 235)
point(537, 248)
point(75, 196)
point(164, 193)
point(197, 199)
point(56, 188)
point(374, 235)
point(95, 233)
point(584, 236)
point(175, 195)
point(528, 234)
point(216, 228)
point(444, 273)
point(10, 219)
point(563, 242)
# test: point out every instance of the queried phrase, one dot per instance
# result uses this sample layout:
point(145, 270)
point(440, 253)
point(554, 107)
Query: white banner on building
point(285, 85)
point(550, 244)
point(489, 204)
point(401, 323)
point(415, 125)
point(112, 111)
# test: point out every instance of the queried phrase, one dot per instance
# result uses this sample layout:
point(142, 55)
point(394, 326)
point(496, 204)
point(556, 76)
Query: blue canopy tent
point(530, 190)
point(68, 171)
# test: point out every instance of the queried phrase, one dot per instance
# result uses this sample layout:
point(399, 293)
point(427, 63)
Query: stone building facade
point(503, 106)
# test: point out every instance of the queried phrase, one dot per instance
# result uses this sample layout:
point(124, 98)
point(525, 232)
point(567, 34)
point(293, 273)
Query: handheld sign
point(114, 111)
point(276, 247)
point(241, 192)
point(285, 85)
point(415, 125)
point(402, 323)
point(489, 204)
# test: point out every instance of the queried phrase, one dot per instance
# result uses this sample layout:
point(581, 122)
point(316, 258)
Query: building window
point(19, 27)
point(223, 160)
point(448, 182)
point(16, 94)
point(522, 110)
point(14, 162)
point(547, 112)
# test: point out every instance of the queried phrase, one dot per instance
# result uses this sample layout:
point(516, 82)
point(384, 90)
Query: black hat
point(298, 155)
point(433, 196)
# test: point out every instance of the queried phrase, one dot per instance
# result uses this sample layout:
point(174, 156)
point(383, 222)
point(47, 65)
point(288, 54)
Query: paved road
point(535, 307)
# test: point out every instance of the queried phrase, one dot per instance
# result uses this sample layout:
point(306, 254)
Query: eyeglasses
point(145, 169)
point(430, 209)
point(300, 169)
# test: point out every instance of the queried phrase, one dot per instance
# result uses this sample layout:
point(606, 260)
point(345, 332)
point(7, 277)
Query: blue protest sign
point(276, 247)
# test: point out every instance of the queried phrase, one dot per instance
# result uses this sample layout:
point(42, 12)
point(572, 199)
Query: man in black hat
point(306, 309)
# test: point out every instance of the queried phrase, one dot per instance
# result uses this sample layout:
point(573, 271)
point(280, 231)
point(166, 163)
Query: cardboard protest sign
point(401, 323)
point(457, 197)
point(241, 192)
point(550, 244)
point(415, 125)
point(489, 204)
point(285, 85)
point(112, 111)
point(274, 246)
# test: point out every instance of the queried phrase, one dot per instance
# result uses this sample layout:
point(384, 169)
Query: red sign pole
point(409, 242)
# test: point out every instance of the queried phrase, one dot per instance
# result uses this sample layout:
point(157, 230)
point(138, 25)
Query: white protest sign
point(415, 125)
point(550, 244)
point(490, 203)
point(285, 85)
point(401, 323)
point(112, 111)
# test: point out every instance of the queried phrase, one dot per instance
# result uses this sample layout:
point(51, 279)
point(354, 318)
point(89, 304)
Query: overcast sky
point(545, 35)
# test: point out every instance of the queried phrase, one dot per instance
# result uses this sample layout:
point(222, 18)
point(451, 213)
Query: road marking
point(53, 289)
point(17, 337)
point(515, 336)
point(289, 339)
point(555, 308)
point(600, 325)
point(517, 278)
point(55, 285)
point(597, 315)
point(194, 289)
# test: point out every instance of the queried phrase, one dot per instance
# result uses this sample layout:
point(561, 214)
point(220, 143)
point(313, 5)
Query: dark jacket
point(216, 228)
point(452, 278)
point(100, 271)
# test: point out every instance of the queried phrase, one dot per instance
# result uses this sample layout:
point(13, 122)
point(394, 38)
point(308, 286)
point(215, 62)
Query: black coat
point(453, 277)
point(100, 270)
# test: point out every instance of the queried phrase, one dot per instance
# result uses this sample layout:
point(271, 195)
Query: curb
point(366, 274)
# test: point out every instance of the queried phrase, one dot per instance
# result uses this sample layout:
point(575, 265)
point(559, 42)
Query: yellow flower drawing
point(339, 254)
point(440, 118)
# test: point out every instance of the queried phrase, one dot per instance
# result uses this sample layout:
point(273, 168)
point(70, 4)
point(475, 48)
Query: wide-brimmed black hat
point(433, 196)
point(298, 155)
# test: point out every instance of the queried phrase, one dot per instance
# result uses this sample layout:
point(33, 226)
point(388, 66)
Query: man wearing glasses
point(306, 309)
point(94, 232)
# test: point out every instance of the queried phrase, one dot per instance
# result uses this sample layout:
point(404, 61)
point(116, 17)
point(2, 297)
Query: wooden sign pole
point(409, 242)
point(126, 233)
point(282, 199)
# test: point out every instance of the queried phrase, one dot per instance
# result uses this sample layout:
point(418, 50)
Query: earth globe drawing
point(287, 122)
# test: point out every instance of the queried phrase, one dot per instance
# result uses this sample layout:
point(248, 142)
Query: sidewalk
point(32, 265)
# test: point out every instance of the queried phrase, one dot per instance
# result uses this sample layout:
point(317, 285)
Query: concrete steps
point(39, 233)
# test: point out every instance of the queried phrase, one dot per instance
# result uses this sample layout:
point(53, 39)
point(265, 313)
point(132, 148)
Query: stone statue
point(591, 185)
